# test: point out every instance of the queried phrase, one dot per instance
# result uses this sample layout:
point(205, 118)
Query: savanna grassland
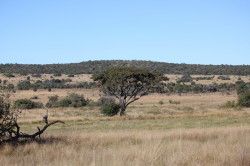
point(158, 129)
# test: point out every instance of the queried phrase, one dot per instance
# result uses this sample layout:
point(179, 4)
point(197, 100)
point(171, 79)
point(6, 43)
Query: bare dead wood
point(40, 131)
point(18, 135)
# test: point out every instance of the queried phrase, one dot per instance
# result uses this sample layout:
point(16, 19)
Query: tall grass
point(221, 146)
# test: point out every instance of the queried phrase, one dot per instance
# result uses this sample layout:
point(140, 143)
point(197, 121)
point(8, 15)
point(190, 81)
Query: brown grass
point(217, 146)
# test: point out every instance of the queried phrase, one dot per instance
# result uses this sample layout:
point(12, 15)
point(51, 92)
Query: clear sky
point(179, 31)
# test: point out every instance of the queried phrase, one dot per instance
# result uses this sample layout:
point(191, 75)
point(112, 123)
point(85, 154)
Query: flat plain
point(194, 130)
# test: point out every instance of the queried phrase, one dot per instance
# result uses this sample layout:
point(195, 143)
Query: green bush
point(174, 102)
point(109, 107)
point(9, 75)
point(72, 100)
point(24, 85)
point(244, 99)
point(76, 100)
point(27, 104)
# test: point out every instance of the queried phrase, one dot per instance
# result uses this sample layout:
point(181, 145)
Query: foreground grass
point(213, 146)
point(195, 132)
point(148, 123)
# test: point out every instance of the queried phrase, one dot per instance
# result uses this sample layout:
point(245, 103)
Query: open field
point(158, 129)
point(194, 131)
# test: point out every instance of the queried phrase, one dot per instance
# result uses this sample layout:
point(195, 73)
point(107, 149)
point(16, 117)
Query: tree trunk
point(122, 107)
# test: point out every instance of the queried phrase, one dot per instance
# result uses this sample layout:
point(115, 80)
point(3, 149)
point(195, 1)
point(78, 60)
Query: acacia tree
point(127, 84)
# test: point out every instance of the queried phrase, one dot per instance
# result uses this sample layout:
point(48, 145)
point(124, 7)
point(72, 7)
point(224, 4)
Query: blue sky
point(178, 31)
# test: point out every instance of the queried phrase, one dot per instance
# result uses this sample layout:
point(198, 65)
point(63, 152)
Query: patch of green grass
point(149, 124)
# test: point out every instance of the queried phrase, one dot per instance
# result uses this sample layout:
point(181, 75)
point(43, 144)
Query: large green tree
point(127, 84)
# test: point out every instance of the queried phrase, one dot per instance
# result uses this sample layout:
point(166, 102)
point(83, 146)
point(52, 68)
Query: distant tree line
point(193, 88)
point(91, 67)
point(53, 83)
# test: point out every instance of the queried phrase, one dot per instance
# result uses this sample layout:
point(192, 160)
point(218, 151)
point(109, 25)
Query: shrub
point(53, 101)
point(174, 102)
point(34, 97)
point(57, 75)
point(71, 75)
point(185, 78)
point(110, 109)
point(77, 100)
point(9, 75)
point(34, 89)
point(27, 104)
point(230, 104)
point(161, 102)
point(24, 85)
point(244, 99)
point(5, 82)
point(242, 87)
point(224, 78)
point(10, 87)
point(72, 100)
point(108, 106)
point(65, 102)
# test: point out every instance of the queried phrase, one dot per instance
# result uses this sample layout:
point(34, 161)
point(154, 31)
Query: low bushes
point(54, 83)
point(26, 104)
point(174, 102)
point(244, 99)
point(243, 91)
point(185, 78)
point(72, 100)
point(9, 75)
point(109, 107)
point(223, 77)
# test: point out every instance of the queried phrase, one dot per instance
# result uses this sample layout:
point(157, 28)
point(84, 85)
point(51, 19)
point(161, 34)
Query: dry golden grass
point(217, 146)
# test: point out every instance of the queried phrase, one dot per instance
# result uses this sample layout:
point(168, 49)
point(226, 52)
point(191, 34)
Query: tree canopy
point(127, 84)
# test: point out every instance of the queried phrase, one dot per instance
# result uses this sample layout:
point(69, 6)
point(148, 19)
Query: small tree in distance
point(126, 84)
